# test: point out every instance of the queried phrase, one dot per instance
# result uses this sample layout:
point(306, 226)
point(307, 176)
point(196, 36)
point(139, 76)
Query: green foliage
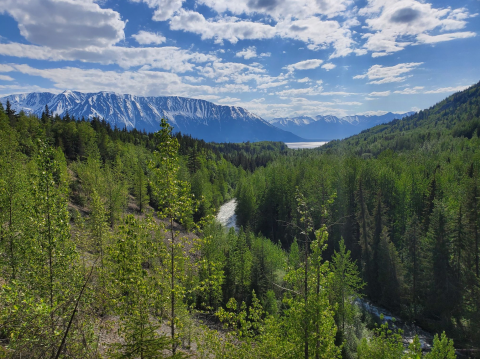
point(384, 344)
point(345, 286)
point(134, 292)
point(442, 348)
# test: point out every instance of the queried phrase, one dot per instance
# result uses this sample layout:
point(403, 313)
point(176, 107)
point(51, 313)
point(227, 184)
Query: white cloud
point(6, 68)
point(428, 39)
point(382, 75)
point(448, 89)
point(251, 52)
point(167, 58)
point(226, 28)
point(6, 78)
point(304, 65)
point(396, 24)
point(316, 33)
point(410, 91)
point(309, 91)
point(383, 93)
point(280, 9)
point(247, 53)
point(141, 82)
point(149, 38)
point(228, 100)
point(164, 9)
point(231, 71)
point(271, 84)
point(65, 24)
point(337, 93)
point(328, 66)
point(305, 79)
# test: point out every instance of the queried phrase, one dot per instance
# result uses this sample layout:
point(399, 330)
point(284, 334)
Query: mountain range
point(199, 118)
point(329, 127)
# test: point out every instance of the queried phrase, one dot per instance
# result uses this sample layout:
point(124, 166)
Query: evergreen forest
point(109, 247)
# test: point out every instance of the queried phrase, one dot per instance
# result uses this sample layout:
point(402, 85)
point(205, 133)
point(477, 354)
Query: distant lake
point(301, 145)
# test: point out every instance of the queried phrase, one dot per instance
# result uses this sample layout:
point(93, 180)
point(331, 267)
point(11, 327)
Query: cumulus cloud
point(164, 9)
point(328, 66)
point(250, 53)
point(378, 74)
point(316, 33)
point(305, 79)
point(231, 29)
point(304, 65)
point(396, 24)
point(65, 24)
point(167, 58)
point(141, 82)
point(149, 38)
point(280, 9)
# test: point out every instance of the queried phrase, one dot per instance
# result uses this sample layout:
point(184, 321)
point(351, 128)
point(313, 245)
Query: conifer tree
point(308, 305)
point(345, 285)
point(413, 259)
point(365, 232)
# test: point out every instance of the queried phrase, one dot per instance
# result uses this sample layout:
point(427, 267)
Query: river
point(226, 214)
point(304, 145)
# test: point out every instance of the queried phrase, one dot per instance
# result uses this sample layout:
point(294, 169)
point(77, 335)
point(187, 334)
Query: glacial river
point(226, 216)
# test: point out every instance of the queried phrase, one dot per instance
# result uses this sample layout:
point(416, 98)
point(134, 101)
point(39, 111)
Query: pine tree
point(365, 232)
point(345, 285)
point(413, 259)
point(308, 305)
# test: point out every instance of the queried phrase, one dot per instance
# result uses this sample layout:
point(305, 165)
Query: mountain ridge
point(329, 127)
point(199, 118)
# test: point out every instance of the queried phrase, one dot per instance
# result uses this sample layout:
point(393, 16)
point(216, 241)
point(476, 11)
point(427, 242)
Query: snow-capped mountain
point(331, 127)
point(199, 118)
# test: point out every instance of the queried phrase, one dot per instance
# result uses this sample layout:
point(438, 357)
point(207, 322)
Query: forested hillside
point(404, 196)
point(108, 247)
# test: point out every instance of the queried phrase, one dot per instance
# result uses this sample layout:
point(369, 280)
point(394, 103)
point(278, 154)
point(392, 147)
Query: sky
point(276, 58)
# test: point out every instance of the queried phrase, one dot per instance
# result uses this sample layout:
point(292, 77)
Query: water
point(226, 214)
point(409, 330)
point(303, 145)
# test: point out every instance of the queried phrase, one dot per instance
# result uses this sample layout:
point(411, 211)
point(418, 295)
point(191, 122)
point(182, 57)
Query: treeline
point(406, 203)
point(96, 260)
point(457, 116)
point(119, 158)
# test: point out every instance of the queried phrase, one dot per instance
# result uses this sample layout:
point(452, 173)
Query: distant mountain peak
point(199, 118)
point(329, 127)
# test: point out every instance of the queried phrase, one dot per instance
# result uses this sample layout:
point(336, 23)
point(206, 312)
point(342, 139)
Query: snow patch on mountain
point(199, 118)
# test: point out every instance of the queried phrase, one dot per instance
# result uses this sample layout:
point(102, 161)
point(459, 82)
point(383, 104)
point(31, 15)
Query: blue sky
point(276, 58)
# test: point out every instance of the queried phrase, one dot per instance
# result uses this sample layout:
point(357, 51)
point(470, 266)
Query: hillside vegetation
point(405, 199)
point(108, 247)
